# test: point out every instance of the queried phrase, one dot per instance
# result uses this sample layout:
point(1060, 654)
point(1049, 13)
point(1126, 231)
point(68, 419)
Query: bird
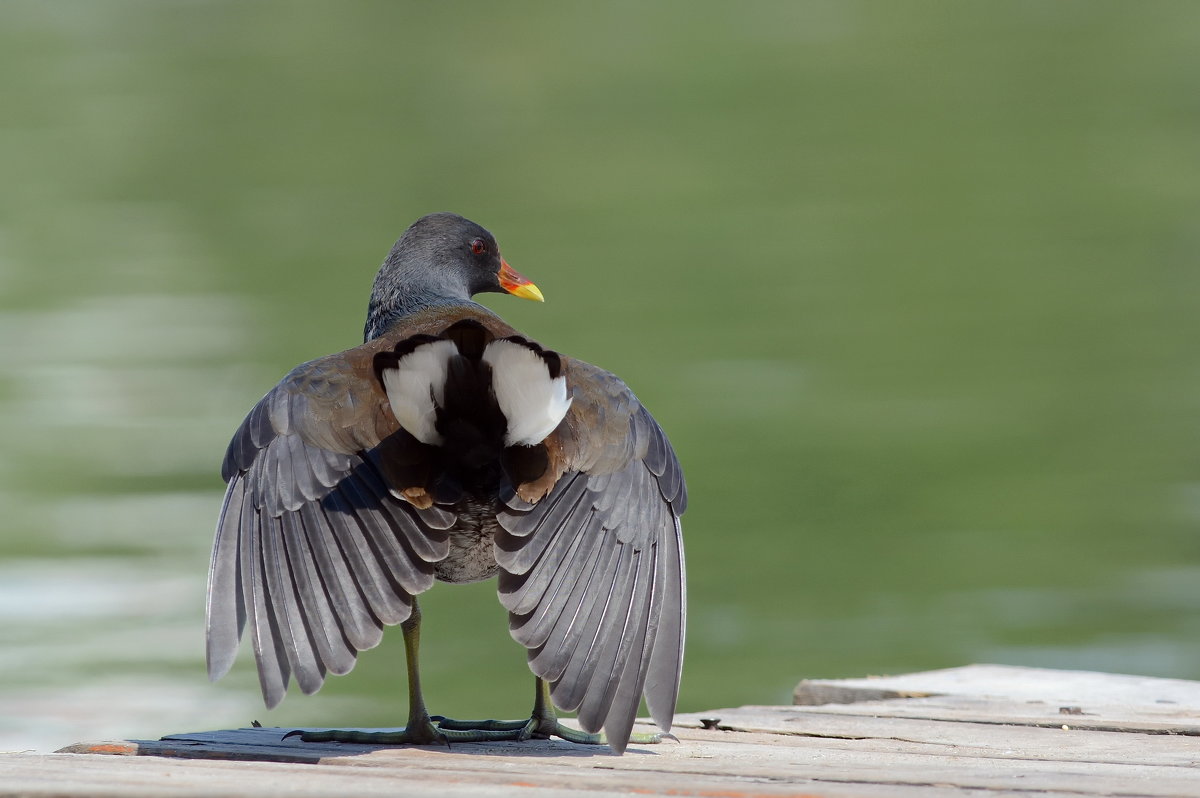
point(450, 447)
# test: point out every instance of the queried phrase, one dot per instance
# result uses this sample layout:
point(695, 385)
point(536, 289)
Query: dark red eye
point(478, 247)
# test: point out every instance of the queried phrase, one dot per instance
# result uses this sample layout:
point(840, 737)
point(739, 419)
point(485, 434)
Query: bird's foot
point(538, 727)
point(440, 730)
point(421, 732)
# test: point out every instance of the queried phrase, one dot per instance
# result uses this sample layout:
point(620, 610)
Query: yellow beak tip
point(528, 291)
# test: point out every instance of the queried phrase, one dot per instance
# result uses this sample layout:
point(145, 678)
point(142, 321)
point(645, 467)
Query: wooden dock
point(981, 730)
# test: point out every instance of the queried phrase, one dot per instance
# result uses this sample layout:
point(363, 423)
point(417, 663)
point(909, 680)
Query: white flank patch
point(416, 387)
point(532, 403)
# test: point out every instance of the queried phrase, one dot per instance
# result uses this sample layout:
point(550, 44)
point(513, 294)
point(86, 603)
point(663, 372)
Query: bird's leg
point(544, 722)
point(424, 729)
point(420, 729)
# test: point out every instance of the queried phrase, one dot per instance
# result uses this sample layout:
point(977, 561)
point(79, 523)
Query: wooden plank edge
point(1013, 682)
point(109, 747)
point(191, 749)
point(814, 692)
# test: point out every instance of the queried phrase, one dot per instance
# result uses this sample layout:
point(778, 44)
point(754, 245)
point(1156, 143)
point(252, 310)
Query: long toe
point(414, 734)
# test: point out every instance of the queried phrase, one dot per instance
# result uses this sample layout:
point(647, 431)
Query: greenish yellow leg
point(420, 729)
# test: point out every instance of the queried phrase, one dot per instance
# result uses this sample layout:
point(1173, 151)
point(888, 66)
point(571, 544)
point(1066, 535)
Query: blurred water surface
point(912, 286)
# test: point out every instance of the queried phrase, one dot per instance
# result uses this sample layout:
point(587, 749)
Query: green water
point(912, 286)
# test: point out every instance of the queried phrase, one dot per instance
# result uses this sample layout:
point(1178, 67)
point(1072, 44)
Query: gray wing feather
point(269, 652)
point(346, 597)
point(312, 551)
point(226, 619)
point(554, 628)
point(609, 618)
point(284, 606)
point(388, 538)
point(626, 642)
point(526, 548)
point(332, 647)
point(661, 461)
point(666, 656)
point(387, 600)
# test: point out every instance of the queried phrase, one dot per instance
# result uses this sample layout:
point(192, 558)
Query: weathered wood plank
point(1147, 720)
point(977, 731)
point(724, 763)
point(146, 777)
point(989, 740)
point(984, 711)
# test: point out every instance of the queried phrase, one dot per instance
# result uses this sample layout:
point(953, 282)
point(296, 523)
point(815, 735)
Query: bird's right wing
point(593, 573)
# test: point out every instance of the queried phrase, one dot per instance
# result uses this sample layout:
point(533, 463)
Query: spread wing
point(312, 552)
point(593, 574)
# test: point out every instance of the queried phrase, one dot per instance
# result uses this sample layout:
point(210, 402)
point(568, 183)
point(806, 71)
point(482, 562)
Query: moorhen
point(450, 447)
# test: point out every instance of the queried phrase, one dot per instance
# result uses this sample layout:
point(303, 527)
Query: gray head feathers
point(442, 259)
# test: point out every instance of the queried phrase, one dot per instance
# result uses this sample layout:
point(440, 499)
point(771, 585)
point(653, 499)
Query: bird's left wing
point(314, 552)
